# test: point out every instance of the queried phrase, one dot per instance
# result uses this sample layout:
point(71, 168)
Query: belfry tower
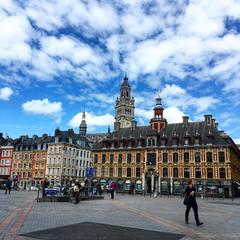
point(124, 109)
point(83, 125)
point(158, 121)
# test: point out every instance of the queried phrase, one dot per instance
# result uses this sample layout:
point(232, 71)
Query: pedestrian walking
point(76, 191)
point(112, 189)
point(8, 186)
point(190, 202)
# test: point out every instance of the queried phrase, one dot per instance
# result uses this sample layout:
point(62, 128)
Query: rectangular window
point(175, 172)
point(103, 158)
point(95, 159)
point(222, 173)
point(120, 158)
point(209, 173)
point(119, 172)
point(111, 172)
point(103, 172)
point(198, 172)
point(111, 158)
point(209, 157)
point(221, 157)
point(151, 159)
point(175, 157)
point(138, 172)
point(129, 158)
point(138, 158)
point(186, 157)
point(128, 172)
point(165, 157)
point(197, 157)
point(186, 173)
point(165, 172)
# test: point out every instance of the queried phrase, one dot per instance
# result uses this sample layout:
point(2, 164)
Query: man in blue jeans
point(190, 192)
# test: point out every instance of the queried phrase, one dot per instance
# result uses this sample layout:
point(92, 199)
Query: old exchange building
point(162, 157)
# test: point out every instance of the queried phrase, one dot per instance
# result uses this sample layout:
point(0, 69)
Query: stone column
point(143, 182)
point(152, 183)
point(159, 184)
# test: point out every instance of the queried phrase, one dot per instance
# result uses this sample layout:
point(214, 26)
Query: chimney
point(208, 119)
point(213, 122)
point(216, 125)
point(57, 132)
point(185, 120)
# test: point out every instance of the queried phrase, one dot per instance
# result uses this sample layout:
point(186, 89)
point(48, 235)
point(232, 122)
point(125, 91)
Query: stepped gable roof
point(171, 131)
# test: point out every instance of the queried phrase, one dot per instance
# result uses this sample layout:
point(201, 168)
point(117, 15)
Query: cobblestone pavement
point(20, 213)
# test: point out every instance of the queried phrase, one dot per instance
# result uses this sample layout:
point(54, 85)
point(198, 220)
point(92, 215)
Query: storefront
point(103, 182)
point(127, 187)
point(138, 186)
point(165, 187)
point(119, 185)
point(177, 188)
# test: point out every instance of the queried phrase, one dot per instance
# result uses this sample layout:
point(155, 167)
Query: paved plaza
point(21, 214)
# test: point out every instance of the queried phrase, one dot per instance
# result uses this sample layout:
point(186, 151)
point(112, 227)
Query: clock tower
point(124, 109)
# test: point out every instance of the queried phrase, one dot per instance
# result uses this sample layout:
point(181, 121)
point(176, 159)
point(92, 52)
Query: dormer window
point(151, 142)
point(186, 141)
point(56, 139)
point(70, 140)
point(210, 138)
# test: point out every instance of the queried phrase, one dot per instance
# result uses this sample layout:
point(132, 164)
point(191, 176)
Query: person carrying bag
point(190, 202)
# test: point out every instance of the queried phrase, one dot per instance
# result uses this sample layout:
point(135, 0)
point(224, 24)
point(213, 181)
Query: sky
point(59, 58)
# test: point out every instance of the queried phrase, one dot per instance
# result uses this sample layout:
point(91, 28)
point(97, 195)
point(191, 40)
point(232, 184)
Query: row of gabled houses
point(61, 157)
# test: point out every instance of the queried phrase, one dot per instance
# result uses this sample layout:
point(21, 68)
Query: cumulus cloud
point(237, 141)
point(92, 120)
point(172, 114)
point(174, 95)
point(44, 107)
point(5, 93)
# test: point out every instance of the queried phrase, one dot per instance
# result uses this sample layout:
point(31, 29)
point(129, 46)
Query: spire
point(159, 100)
point(109, 130)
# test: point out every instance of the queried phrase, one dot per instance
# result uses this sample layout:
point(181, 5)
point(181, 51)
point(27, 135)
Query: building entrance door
point(148, 180)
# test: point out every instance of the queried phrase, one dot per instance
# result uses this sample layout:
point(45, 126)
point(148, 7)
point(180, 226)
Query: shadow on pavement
point(97, 231)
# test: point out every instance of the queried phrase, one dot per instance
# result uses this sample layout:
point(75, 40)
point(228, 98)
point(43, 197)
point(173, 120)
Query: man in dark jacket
point(8, 186)
point(190, 193)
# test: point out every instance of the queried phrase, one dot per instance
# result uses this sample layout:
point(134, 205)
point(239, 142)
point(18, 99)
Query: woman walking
point(190, 195)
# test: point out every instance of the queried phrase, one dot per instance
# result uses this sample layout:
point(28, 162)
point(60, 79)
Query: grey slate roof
point(170, 132)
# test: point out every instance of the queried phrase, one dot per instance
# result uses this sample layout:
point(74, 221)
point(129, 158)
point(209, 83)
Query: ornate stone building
point(162, 157)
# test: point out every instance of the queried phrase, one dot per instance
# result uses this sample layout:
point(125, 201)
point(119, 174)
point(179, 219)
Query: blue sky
point(58, 58)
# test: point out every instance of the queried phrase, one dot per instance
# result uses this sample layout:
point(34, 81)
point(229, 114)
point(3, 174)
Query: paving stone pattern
point(162, 214)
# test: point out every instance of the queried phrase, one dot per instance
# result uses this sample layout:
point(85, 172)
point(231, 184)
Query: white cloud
point(172, 114)
point(44, 107)
point(237, 141)
point(92, 120)
point(174, 95)
point(5, 93)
